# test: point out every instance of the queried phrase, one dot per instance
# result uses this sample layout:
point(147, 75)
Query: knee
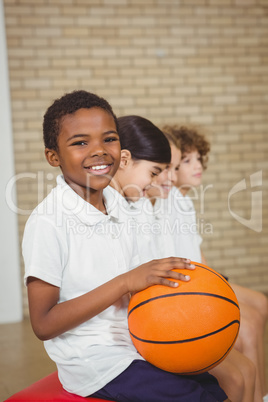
point(244, 378)
point(237, 380)
point(260, 306)
point(249, 372)
point(263, 306)
point(259, 321)
point(248, 333)
point(254, 316)
point(256, 326)
point(237, 384)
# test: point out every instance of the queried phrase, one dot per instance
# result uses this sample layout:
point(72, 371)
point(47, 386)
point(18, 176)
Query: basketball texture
point(188, 329)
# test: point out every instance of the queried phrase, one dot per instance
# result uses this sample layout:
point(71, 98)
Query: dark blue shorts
point(142, 382)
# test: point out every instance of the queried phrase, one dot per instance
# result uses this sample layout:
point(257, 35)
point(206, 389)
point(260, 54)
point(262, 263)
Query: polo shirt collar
point(73, 204)
point(142, 206)
point(184, 203)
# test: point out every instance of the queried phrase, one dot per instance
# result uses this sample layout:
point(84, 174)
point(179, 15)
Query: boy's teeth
point(99, 167)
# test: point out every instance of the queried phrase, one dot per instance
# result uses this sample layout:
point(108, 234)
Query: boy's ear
point(125, 158)
point(52, 157)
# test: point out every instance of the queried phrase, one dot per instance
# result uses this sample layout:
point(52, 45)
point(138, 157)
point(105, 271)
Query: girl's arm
point(50, 318)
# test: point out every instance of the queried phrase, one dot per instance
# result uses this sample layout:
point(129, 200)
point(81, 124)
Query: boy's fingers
point(163, 278)
point(186, 266)
point(166, 282)
point(172, 284)
point(182, 263)
point(177, 276)
point(175, 260)
point(173, 263)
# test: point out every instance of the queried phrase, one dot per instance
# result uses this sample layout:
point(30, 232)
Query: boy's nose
point(198, 164)
point(98, 150)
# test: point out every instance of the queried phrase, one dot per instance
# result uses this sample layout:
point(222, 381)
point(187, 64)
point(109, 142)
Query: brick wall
point(195, 61)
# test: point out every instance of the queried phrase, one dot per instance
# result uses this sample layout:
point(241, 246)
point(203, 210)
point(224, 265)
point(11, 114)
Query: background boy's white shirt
point(173, 229)
point(70, 244)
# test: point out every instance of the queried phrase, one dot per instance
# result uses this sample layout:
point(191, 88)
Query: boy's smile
point(88, 152)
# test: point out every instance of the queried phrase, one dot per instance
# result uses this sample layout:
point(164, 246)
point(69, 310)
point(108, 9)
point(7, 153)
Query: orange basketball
point(188, 329)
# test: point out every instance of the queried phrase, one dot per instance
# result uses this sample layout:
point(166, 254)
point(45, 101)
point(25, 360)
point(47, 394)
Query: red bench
point(48, 389)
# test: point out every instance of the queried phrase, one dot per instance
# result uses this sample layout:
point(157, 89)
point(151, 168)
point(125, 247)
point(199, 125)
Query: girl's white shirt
point(143, 213)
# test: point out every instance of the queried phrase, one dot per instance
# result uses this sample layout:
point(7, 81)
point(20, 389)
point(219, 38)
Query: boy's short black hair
point(68, 104)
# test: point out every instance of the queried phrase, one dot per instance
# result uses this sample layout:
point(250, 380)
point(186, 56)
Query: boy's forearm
point(50, 318)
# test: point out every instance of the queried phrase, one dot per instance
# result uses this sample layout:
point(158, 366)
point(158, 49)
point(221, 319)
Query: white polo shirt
point(72, 245)
point(143, 214)
point(179, 232)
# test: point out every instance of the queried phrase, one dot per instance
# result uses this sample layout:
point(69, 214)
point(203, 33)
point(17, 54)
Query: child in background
point(145, 154)
point(142, 143)
point(236, 374)
point(253, 305)
point(158, 196)
point(80, 264)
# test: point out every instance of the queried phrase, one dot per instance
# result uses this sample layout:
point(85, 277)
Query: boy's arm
point(50, 318)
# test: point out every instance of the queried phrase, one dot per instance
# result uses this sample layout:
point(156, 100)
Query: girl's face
point(190, 172)
point(136, 176)
point(162, 184)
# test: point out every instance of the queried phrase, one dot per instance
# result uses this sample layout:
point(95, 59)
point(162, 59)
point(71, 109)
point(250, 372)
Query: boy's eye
point(154, 174)
point(111, 139)
point(79, 143)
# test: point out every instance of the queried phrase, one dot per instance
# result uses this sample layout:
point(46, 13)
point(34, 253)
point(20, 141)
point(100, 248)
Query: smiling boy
point(79, 285)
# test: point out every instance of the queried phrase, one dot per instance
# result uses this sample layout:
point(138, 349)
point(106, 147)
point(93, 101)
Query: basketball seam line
point(186, 340)
point(208, 367)
point(212, 364)
point(214, 273)
point(183, 294)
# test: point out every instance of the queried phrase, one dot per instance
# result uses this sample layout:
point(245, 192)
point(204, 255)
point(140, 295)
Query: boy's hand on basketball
point(158, 272)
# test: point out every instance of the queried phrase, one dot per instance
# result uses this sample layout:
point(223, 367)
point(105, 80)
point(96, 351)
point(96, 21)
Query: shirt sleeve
point(44, 250)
